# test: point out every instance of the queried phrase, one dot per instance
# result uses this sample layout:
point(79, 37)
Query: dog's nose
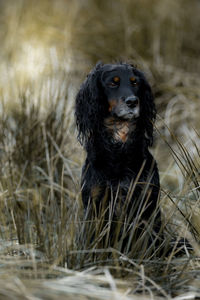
point(132, 101)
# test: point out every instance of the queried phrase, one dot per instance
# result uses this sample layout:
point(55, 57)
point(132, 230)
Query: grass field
point(47, 49)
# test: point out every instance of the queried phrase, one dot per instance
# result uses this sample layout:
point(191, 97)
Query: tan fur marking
point(116, 79)
point(112, 104)
point(133, 79)
point(119, 129)
point(123, 132)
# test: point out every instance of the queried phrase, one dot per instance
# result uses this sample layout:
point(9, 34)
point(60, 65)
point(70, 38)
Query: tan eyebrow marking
point(116, 79)
point(133, 79)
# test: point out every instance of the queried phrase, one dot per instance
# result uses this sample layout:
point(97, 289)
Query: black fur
point(118, 165)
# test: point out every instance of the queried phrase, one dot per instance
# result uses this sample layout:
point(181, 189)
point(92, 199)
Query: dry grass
point(45, 248)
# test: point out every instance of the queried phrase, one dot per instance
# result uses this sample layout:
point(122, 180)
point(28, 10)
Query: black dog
point(114, 113)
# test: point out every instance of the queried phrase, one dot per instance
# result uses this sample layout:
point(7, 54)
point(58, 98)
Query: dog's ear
point(89, 106)
point(148, 111)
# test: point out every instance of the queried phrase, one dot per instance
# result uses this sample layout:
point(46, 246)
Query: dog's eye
point(133, 81)
point(115, 81)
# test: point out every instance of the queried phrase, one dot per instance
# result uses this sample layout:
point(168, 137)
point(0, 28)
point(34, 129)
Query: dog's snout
point(132, 101)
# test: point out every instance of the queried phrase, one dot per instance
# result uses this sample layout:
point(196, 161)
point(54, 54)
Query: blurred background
point(47, 49)
point(45, 38)
point(40, 37)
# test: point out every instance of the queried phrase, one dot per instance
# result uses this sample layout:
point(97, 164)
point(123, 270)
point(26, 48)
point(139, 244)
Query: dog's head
point(121, 88)
point(117, 91)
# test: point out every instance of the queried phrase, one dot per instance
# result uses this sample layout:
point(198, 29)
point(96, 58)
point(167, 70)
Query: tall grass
point(42, 215)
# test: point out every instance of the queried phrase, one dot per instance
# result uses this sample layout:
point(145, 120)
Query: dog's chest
point(119, 130)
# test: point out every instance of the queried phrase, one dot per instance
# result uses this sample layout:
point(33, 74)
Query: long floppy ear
point(148, 110)
point(89, 106)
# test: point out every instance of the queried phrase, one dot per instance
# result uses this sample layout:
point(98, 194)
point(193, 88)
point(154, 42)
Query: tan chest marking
point(122, 132)
point(118, 129)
